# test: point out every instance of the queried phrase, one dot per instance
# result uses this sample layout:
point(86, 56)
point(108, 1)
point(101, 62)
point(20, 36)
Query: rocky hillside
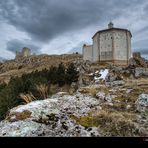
point(111, 105)
point(109, 100)
point(19, 66)
point(87, 113)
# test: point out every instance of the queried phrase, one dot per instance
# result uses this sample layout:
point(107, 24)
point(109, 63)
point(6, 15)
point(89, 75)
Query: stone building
point(109, 45)
point(26, 52)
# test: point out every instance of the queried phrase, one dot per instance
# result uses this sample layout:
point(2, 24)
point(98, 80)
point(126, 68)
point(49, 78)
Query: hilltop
point(24, 65)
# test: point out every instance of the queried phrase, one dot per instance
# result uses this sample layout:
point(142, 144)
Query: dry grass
point(27, 97)
point(19, 116)
point(43, 90)
point(111, 123)
point(93, 90)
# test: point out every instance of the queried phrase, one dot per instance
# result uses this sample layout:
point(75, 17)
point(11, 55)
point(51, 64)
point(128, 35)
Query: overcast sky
point(60, 26)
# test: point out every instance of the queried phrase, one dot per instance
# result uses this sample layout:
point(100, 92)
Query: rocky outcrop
point(83, 66)
point(52, 117)
point(138, 61)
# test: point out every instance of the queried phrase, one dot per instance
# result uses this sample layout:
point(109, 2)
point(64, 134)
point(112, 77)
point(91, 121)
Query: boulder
point(53, 117)
point(142, 103)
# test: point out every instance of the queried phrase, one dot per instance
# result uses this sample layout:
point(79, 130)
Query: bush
point(72, 74)
point(35, 85)
point(61, 75)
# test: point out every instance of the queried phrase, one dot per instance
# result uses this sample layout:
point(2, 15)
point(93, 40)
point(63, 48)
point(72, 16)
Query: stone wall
point(121, 47)
point(106, 46)
point(87, 52)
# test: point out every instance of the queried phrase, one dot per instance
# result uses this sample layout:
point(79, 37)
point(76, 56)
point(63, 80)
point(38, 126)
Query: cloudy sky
point(61, 26)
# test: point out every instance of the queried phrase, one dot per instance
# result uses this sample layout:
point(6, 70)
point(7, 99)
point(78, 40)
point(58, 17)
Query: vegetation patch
point(35, 85)
point(111, 123)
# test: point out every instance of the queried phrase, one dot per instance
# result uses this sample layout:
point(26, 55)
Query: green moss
point(86, 121)
point(120, 99)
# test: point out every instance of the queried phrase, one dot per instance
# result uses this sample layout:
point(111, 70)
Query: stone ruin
point(136, 55)
point(26, 52)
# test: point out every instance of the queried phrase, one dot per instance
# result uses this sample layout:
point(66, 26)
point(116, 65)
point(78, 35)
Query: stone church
point(109, 45)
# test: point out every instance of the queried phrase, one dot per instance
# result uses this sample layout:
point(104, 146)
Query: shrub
point(35, 85)
point(72, 74)
point(61, 75)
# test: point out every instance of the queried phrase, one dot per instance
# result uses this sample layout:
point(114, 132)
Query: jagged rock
point(137, 60)
point(140, 71)
point(83, 66)
point(142, 103)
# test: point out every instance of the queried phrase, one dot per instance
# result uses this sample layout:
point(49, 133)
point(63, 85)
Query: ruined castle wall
point(26, 52)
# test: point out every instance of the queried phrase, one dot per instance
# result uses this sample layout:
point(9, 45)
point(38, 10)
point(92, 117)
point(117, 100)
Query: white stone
point(128, 107)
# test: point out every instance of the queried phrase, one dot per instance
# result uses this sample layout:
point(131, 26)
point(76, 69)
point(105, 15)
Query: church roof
point(112, 29)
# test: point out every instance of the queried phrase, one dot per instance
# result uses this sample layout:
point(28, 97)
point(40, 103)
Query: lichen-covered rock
point(142, 103)
point(51, 117)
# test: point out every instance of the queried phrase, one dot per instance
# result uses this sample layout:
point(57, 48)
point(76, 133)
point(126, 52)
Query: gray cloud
point(17, 45)
point(45, 20)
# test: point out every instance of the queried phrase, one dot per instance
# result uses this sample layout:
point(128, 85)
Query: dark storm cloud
point(46, 19)
point(43, 23)
point(17, 45)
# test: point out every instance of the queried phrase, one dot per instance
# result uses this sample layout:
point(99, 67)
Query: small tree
point(61, 75)
point(53, 75)
point(72, 74)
